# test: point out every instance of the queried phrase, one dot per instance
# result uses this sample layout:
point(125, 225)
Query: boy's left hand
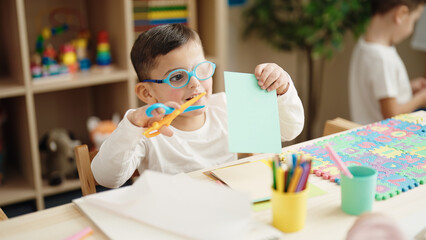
point(418, 84)
point(270, 76)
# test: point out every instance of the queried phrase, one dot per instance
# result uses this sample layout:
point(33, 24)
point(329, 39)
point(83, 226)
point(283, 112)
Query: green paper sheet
point(253, 121)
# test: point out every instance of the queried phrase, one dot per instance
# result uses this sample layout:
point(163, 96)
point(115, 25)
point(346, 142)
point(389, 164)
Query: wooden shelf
point(67, 185)
point(212, 27)
point(9, 88)
point(34, 106)
point(16, 190)
point(78, 80)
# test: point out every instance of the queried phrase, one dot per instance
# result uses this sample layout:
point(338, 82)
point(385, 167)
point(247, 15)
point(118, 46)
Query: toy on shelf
point(72, 52)
point(99, 130)
point(46, 33)
point(59, 163)
point(81, 51)
point(103, 55)
point(36, 67)
point(69, 57)
point(48, 55)
point(49, 64)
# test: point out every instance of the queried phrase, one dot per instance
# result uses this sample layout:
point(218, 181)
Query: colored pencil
point(338, 161)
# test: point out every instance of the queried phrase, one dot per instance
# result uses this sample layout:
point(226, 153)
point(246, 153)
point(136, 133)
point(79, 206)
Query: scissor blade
point(192, 108)
point(184, 106)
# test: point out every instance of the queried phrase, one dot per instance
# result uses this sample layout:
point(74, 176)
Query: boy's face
point(185, 57)
point(406, 27)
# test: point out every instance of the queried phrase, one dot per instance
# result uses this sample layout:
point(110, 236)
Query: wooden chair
point(338, 125)
point(2, 215)
point(84, 158)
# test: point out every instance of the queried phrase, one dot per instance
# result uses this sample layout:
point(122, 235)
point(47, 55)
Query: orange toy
point(99, 130)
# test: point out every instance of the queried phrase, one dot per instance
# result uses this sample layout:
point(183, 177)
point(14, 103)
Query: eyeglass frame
point(190, 75)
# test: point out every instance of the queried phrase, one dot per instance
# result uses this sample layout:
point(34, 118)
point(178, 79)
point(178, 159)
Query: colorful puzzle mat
point(395, 147)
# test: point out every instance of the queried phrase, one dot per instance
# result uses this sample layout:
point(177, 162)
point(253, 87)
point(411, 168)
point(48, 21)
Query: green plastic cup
point(358, 192)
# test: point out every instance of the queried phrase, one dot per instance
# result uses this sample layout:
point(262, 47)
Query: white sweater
point(127, 149)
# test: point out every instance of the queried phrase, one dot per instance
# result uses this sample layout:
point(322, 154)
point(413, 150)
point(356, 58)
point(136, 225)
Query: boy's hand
point(270, 76)
point(140, 119)
point(418, 84)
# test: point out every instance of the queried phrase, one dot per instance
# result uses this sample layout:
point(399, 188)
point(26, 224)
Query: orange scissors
point(167, 120)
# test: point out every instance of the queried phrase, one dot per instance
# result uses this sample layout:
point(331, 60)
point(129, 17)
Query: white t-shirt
point(376, 72)
point(127, 149)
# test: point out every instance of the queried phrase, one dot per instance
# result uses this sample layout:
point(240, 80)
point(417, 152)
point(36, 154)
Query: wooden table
point(325, 220)
point(53, 223)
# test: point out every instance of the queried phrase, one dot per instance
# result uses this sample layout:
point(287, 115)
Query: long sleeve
point(291, 114)
point(119, 156)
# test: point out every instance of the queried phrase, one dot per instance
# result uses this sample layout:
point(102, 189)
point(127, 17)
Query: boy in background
point(171, 67)
point(379, 86)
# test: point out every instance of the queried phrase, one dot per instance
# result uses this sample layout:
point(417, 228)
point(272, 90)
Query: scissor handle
point(153, 130)
point(154, 106)
point(166, 121)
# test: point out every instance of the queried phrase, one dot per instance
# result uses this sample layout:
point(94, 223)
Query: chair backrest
point(84, 158)
point(338, 125)
point(2, 215)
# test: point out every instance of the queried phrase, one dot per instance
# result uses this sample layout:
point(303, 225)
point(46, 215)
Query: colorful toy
point(50, 66)
point(72, 56)
point(103, 55)
point(100, 130)
point(59, 163)
point(81, 51)
point(69, 57)
point(36, 67)
point(46, 33)
point(394, 147)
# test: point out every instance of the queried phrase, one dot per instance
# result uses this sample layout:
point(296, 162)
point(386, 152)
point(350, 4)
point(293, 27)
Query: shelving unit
point(35, 106)
point(212, 18)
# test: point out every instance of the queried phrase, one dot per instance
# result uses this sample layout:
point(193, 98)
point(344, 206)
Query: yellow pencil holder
point(289, 210)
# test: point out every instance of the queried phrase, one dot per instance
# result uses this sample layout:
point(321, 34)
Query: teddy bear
point(59, 161)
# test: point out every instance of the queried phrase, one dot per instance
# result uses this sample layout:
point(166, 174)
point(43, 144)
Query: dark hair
point(384, 6)
point(158, 41)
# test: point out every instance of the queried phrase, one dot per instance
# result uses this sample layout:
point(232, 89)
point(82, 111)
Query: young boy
point(379, 86)
point(163, 58)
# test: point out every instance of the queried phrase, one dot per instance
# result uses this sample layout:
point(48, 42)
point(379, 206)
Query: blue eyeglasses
point(179, 78)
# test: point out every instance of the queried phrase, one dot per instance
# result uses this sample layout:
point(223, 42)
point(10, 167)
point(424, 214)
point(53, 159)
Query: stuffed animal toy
point(59, 162)
point(100, 130)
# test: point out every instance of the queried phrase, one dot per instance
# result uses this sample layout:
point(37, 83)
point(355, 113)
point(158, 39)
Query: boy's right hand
point(140, 119)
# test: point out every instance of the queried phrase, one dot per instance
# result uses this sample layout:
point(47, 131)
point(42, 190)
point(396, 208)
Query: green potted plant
point(316, 27)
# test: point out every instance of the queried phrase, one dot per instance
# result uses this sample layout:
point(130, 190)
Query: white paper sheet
point(165, 206)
